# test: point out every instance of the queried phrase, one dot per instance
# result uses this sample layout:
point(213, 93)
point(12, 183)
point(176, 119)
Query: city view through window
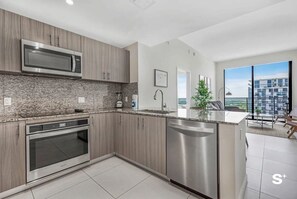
point(267, 94)
point(182, 88)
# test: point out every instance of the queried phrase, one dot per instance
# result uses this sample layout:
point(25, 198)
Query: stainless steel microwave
point(46, 59)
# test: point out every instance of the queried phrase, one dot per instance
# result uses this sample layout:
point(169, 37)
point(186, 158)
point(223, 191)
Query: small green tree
point(203, 95)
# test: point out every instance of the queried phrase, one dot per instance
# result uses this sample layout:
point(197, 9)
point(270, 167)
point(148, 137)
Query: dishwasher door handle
point(192, 131)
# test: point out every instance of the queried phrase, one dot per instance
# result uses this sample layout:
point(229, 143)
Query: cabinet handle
point(103, 75)
point(120, 120)
point(142, 123)
point(58, 41)
point(50, 39)
point(240, 134)
point(108, 76)
point(18, 130)
point(138, 123)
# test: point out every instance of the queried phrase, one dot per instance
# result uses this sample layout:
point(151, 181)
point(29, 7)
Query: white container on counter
point(134, 102)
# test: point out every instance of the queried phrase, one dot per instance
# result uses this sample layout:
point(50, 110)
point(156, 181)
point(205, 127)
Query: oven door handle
point(73, 63)
point(55, 133)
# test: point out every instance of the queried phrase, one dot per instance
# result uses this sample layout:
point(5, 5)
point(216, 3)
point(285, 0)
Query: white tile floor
point(115, 178)
point(109, 179)
point(266, 156)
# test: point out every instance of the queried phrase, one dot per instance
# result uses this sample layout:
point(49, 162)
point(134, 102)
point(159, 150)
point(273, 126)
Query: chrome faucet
point(162, 100)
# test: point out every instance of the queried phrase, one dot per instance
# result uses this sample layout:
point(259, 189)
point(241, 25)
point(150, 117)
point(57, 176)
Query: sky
point(237, 79)
point(182, 84)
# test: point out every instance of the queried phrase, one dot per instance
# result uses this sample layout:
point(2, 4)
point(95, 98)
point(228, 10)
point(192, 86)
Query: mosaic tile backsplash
point(32, 94)
point(128, 90)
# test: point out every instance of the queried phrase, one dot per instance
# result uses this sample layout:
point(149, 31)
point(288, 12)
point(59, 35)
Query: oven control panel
point(45, 127)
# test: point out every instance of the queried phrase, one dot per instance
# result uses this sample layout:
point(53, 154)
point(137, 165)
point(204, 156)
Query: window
point(257, 84)
point(280, 82)
point(268, 83)
point(183, 89)
point(260, 86)
point(238, 83)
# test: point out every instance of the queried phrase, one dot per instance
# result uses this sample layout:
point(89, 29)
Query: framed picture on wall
point(161, 78)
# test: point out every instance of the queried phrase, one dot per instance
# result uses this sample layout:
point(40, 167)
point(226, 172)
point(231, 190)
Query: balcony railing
point(267, 105)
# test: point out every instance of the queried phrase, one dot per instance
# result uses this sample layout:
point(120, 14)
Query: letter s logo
point(277, 179)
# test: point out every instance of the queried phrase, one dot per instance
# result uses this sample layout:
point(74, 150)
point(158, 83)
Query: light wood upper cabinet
point(68, 40)
point(37, 31)
point(123, 65)
point(10, 46)
point(105, 62)
point(12, 155)
point(101, 62)
point(90, 68)
point(40, 32)
point(102, 134)
point(118, 69)
point(95, 59)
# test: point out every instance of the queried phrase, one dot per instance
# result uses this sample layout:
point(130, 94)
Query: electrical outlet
point(81, 100)
point(126, 99)
point(7, 101)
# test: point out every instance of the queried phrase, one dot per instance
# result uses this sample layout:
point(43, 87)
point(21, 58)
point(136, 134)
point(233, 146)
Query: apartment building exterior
point(271, 95)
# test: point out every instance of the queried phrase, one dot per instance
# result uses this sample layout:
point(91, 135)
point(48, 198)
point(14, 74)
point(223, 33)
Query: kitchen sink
point(157, 111)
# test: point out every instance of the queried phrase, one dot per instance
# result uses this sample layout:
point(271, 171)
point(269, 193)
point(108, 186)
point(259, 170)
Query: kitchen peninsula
point(140, 138)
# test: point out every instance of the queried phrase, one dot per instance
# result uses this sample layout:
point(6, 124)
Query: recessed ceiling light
point(143, 4)
point(70, 2)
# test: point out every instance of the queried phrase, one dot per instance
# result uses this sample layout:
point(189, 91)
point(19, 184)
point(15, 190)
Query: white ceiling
point(272, 29)
point(121, 23)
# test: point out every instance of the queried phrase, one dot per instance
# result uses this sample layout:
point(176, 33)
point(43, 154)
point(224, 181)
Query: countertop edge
point(125, 111)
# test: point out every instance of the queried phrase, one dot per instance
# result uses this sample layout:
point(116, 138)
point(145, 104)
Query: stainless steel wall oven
point(52, 147)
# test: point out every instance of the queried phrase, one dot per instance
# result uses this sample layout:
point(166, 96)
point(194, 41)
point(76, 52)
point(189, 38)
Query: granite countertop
point(226, 117)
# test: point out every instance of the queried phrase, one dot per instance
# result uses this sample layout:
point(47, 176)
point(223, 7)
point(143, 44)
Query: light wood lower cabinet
point(122, 133)
point(143, 140)
point(102, 134)
point(156, 144)
point(12, 155)
point(141, 137)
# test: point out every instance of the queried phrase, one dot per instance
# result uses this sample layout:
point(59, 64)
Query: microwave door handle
point(55, 133)
point(73, 63)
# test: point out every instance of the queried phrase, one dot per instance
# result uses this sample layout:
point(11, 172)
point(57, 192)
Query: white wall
point(168, 57)
point(261, 59)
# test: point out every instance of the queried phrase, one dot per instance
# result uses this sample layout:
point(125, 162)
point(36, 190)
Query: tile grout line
point(32, 193)
point(99, 184)
point(260, 191)
point(89, 177)
point(67, 188)
point(63, 189)
point(135, 185)
point(103, 171)
point(274, 197)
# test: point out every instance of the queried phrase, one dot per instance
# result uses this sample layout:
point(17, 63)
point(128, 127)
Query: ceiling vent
point(143, 4)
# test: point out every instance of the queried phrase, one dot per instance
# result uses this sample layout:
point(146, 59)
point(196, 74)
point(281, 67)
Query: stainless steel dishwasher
point(192, 156)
